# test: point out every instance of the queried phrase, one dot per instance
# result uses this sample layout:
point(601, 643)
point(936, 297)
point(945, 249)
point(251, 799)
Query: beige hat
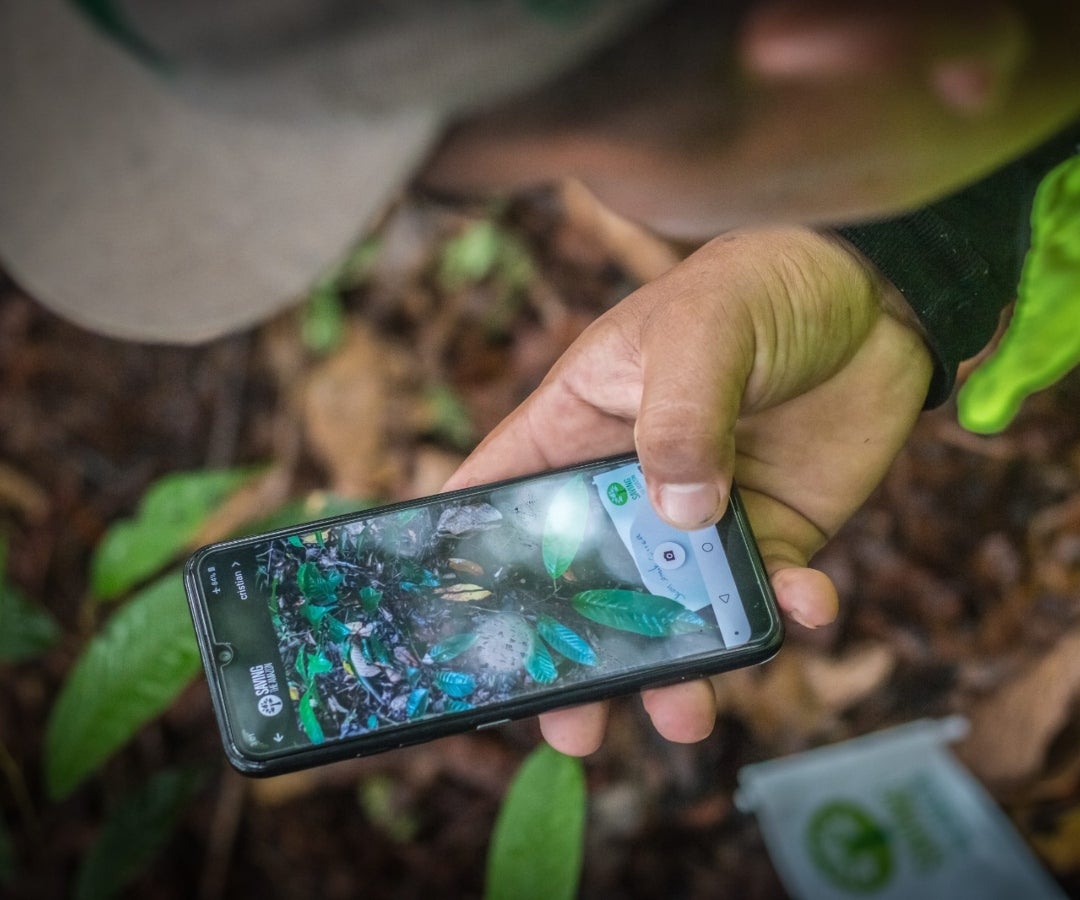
point(201, 177)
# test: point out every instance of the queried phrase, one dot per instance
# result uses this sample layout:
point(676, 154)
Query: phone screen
point(467, 606)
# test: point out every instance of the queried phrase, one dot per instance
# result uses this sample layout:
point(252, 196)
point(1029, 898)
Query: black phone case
point(604, 687)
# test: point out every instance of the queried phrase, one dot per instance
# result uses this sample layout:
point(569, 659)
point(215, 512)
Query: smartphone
point(391, 626)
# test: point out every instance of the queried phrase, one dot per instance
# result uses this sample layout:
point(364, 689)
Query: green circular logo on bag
point(849, 848)
point(616, 493)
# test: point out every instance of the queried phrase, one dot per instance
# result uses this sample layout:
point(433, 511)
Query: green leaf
point(449, 417)
point(563, 639)
point(318, 586)
point(128, 673)
point(418, 703)
point(134, 833)
point(452, 647)
point(645, 614)
point(564, 526)
point(165, 524)
point(26, 629)
point(370, 598)
point(540, 665)
point(538, 841)
point(458, 685)
point(322, 327)
point(308, 720)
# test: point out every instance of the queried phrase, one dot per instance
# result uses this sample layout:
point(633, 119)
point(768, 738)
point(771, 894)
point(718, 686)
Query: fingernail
point(800, 617)
point(689, 505)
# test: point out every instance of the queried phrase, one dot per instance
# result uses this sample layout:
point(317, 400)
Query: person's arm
point(958, 261)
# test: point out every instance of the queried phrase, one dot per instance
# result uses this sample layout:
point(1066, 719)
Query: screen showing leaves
point(461, 603)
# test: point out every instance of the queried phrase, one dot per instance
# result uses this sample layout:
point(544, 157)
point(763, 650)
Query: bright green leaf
point(317, 586)
point(645, 614)
point(128, 673)
point(417, 703)
point(370, 598)
point(564, 526)
point(458, 685)
point(308, 720)
point(165, 524)
point(538, 840)
point(540, 665)
point(564, 640)
point(134, 833)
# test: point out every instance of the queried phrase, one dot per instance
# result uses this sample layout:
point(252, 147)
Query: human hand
point(769, 356)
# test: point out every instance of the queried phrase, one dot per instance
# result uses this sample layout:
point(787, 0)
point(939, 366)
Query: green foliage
point(564, 526)
point(308, 720)
point(452, 647)
point(540, 665)
point(449, 417)
point(485, 252)
point(538, 841)
point(26, 629)
point(318, 586)
point(565, 641)
point(134, 832)
point(379, 802)
point(645, 614)
point(165, 524)
point(322, 327)
point(458, 685)
point(128, 673)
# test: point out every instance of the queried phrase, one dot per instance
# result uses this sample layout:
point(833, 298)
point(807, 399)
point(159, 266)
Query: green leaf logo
point(849, 848)
point(616, 493)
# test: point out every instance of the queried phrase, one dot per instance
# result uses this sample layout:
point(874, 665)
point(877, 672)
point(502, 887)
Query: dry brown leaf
point(1012, 729)
point(642, 254)
point(840, 683)
point(359, 405)
point(23, 494)
point(802, 692)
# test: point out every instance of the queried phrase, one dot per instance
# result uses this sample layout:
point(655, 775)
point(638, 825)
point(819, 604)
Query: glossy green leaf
point(540, 665)
point(537, 844)
point(128, 673)
point(645, 614)
point(564, 525)
point(417, 703)
point(458, 685)
point(308, 720)
point(565, 641)
point(134, 833)
point(164, 525)
point(370, 598)
point(452, 647)
point(316, 585)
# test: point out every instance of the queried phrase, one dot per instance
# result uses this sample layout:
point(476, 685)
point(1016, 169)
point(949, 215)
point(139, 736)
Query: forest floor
point(959, 581)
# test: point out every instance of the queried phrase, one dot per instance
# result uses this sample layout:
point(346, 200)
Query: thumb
point(691, 395)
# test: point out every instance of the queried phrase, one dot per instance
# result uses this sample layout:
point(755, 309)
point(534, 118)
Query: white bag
point(889, 816)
